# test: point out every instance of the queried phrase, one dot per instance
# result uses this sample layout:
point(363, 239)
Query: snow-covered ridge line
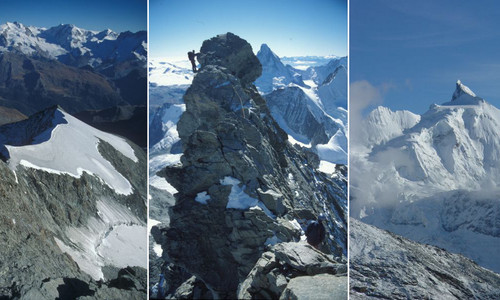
point(70, 147)
point(60, 41)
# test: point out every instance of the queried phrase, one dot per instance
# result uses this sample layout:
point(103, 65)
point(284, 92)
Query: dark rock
point(230, 51)
point(285, 269)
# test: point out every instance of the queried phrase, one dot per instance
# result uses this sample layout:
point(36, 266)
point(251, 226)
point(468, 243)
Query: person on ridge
point(315, 232)
point(191, 56)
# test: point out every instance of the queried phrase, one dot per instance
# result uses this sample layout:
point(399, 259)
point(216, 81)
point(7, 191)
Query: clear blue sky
point(118, 15)
point(413, 52)
point(289, 27)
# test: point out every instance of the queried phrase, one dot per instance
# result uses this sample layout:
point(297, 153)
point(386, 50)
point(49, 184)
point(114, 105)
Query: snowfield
point(71, 147)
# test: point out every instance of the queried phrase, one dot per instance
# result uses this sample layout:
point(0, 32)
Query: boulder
point(318, 287)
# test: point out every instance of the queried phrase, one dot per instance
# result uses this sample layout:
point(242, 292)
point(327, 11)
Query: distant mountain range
point(80, 70)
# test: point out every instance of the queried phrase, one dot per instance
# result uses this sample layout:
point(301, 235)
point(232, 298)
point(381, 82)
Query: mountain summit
point(241, 185)
point(274, 72)
point(463, 96)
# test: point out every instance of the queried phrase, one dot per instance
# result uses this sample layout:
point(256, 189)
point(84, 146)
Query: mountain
point(78, 69)
point(312, 110)
point(334, 87)
point(238, 187)
point(30, 85)
point(274, 73)
point(435, 181)
point(72, 45)
point(385, 265)
point(318, 74)
point(383, 124)
point(74, 210)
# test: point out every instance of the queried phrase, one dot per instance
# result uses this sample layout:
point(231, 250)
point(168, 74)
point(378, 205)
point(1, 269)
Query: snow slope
point(65, 146)
point(424, 174)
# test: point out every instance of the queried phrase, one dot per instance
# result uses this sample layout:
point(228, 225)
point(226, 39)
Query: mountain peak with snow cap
point(463, 95)
point(461, 90)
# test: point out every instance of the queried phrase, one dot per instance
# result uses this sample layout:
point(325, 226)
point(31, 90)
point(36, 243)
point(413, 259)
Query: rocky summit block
point(234, 53)
point(241, 185)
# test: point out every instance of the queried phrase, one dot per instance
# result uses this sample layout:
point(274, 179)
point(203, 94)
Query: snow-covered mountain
point(383, 124)
point(72, 189)
point(434, 178)
point(310, 105)
point(305, 62)
point(274, 73)
point(72, 45)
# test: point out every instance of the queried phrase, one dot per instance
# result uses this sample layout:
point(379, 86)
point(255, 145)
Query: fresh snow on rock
point(71, 147)
point(386, 266)
point(240, 200)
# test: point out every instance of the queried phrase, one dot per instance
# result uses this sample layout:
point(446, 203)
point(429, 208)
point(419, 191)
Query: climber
point(191, 56)
point(315, 232)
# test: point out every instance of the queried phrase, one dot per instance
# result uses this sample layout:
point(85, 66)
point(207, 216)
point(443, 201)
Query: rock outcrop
point(387, 266)
point(295, 271)
point(241, 185)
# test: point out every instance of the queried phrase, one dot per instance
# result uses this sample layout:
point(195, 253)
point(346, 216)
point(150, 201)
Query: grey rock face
point(228, 134)
point(323, 286)
point(298, 116)
point(287, 270)
point(385, 265)
point(38, 207)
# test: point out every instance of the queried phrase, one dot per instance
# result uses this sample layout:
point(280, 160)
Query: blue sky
point(409, 54)
point(118, 15)
point(289, 27)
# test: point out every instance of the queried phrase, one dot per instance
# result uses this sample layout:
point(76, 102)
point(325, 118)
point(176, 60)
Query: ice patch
point(158, 249)
point(272, 241)
point(202, 198)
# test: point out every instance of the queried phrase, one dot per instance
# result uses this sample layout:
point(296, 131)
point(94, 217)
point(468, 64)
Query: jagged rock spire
point(461, 90)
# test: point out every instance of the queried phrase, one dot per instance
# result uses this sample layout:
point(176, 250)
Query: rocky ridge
point(385, 265)
point(241, 186)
